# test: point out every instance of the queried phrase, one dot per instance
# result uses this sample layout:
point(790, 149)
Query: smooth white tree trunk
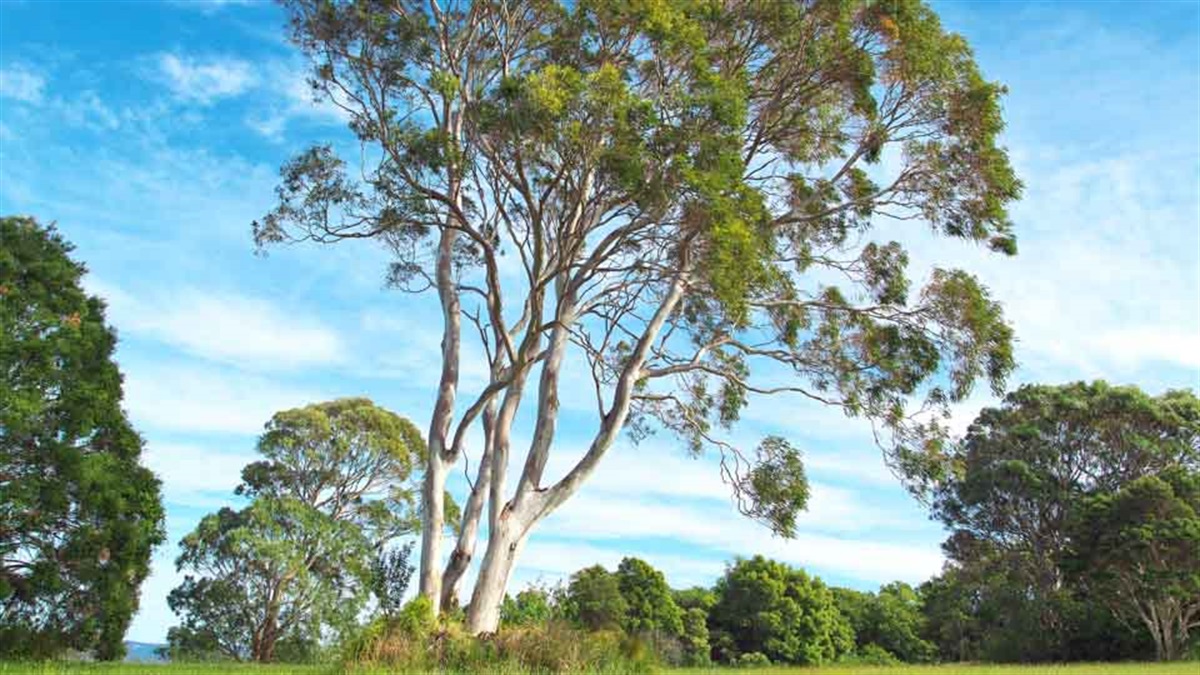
point(504, 549)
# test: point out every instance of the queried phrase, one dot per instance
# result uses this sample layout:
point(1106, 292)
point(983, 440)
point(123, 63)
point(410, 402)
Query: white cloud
point(22, 83)
point(194, 475)
point(89, 111)
point(292, 100)
point(182, 397)
point(224, 327)
point(205, 80)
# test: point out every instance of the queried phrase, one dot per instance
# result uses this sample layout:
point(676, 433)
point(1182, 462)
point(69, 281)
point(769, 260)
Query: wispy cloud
point(226, 327)
point(197, 475)
point(290, 100)
point(205, 80)
point(176, 396)
point(22, 83)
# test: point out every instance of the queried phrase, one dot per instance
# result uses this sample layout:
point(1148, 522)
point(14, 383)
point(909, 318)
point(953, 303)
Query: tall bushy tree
point(334, 487)
point(79, 515)
point(768, 607)
point(1012, 488)
point(686, 191)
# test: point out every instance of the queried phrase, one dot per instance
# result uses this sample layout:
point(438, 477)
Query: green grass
point(61, 668)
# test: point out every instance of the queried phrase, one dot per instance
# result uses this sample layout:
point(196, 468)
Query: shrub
point(531, 606)
point(753, 660)
point(695, 638)
point(416, 617)
point(554, 647)
point(870, 655)
point(594, 600)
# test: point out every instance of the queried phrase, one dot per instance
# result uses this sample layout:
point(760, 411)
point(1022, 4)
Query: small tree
point(391, 573)
point(896, 624)
point(767, 607)
point(277, 570)
point(79, 515)
point(687, 196)
point(696, 649)
point(330, 493)
point(649, 607)
point(533, 606)
point(1139, 549)
point(594, 599)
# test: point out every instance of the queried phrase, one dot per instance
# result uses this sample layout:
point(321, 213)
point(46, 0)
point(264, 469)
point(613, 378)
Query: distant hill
point(142, 652)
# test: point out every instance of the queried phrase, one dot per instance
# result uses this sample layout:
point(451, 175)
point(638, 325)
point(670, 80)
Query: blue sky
point(152, 132)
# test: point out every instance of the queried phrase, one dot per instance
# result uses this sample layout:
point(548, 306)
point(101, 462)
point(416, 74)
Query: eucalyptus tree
point(335, 485)
point(79, 515)
point(676, 197)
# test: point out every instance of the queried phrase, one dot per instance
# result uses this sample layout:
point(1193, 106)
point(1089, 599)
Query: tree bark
point(437, 464)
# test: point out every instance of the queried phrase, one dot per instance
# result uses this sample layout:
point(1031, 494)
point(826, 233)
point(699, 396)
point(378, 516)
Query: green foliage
point(79, 515)
point(594, 600)
point(696, 597)
point(416, 618)
point(391, 573)
point(276, 570)
point(895, 624)
point(649, 607)
point(889, 622)
point(696, 649)
point(752, 660)
point(776, 489)
point(337, 456)
point(765, 606)
point(1137, 549)
point(549, 647)
point(531, 606)
point(870, 655)
point(1012, 490)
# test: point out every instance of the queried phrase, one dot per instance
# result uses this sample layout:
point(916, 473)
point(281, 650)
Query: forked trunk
point(504, 547)
point(464, 551)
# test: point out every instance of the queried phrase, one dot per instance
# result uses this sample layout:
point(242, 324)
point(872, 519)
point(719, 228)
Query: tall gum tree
point(686, 193)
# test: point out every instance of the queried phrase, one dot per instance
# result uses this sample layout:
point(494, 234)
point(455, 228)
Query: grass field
point(190, 669)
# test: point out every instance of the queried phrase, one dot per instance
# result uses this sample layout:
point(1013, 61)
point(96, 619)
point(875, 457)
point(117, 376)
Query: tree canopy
point(649, 605)
point(684, 196)
point(767, 607)
point(79, 516)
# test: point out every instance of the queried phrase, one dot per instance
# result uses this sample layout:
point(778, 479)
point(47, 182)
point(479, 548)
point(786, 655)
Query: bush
point(531, 606)
point(416, 617)
point(870, 655)
point(554, 647)
point(752, 660)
